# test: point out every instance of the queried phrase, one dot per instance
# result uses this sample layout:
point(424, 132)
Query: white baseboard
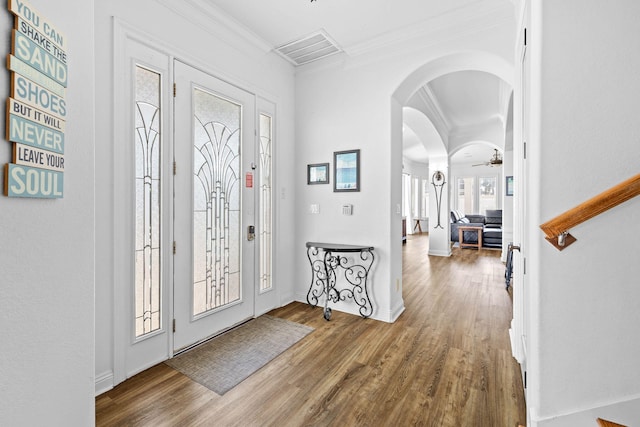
point(512, 338)
point(301, 298)
point(350, 307)
point(287, 299)
point(104, 383)
point(444, 253)
point(395, 313)
point(625, 412)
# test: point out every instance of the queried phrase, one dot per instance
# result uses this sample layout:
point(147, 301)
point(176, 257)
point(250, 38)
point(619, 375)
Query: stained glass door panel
point(265, 206)
point(214, 272)
point(216, 201)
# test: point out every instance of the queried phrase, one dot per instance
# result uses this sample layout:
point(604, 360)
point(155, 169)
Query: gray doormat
point(225, 361)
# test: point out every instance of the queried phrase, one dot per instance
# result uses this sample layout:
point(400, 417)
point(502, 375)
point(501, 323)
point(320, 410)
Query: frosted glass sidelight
point(216, 202)
point(265, 207)
point(147, 207)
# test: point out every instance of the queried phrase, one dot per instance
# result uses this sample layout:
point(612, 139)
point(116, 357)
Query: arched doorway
point(414, 101)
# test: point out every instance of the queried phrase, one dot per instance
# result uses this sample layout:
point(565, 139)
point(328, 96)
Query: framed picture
point(346, 170)
point(318, 173)
point(509, 186)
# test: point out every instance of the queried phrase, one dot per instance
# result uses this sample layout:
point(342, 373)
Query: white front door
point(214, 201)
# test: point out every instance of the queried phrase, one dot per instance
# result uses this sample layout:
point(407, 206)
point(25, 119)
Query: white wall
point(347, 103)
point(584, 361)
point(189, 35)
point(415, 168)
point(47, 256)
point(322, 127)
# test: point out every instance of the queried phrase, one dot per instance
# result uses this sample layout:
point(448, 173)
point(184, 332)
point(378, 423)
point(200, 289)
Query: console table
point(327, 261)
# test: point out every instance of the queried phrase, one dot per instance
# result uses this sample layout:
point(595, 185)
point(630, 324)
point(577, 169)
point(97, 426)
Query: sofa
point(491, 224)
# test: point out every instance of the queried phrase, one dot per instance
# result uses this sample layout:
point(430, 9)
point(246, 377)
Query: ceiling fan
point(496, 160)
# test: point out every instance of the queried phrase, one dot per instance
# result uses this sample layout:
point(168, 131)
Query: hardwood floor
point(445, 362)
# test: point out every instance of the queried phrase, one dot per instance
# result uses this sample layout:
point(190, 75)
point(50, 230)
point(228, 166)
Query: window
point(488, 194)
point(424, 211)
point(415, 198)
point(466, 198)
point(147, 141)
point(476, 195)
point(406, 194)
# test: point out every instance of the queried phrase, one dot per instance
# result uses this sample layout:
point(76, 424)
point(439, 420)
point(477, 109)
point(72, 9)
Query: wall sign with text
point(36, 107)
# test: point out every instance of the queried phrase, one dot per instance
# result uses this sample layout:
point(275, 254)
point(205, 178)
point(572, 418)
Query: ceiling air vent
point(311, 48)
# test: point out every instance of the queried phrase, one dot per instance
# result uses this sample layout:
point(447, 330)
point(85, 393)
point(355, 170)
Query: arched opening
point(436, 93)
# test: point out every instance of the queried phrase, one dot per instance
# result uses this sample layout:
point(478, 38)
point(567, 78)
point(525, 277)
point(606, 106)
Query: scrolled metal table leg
point(327, 289)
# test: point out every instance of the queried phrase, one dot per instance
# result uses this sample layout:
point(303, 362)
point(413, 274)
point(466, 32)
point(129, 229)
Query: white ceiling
point(472, 108)
point(348, 22)
point(465, 101)
point(469, 98)
point(473, 154)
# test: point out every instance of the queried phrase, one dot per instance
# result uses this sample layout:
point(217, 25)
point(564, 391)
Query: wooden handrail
point(605, 423)
point(557, 229)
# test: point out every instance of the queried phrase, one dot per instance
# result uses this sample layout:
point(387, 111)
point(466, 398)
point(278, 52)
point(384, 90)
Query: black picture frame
point(318, 173)
point(346, 171)
point(508, 186)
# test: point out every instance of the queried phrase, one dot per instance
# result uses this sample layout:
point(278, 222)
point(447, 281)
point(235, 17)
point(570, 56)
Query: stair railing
point(557, 229)
point(605, 423)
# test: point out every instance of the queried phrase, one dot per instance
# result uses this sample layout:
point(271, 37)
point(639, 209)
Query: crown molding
point(463, 20)
point(434, 111)
point(216, 22)
point(466, 19)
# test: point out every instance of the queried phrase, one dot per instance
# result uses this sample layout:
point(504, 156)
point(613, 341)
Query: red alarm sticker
point(249, 180)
